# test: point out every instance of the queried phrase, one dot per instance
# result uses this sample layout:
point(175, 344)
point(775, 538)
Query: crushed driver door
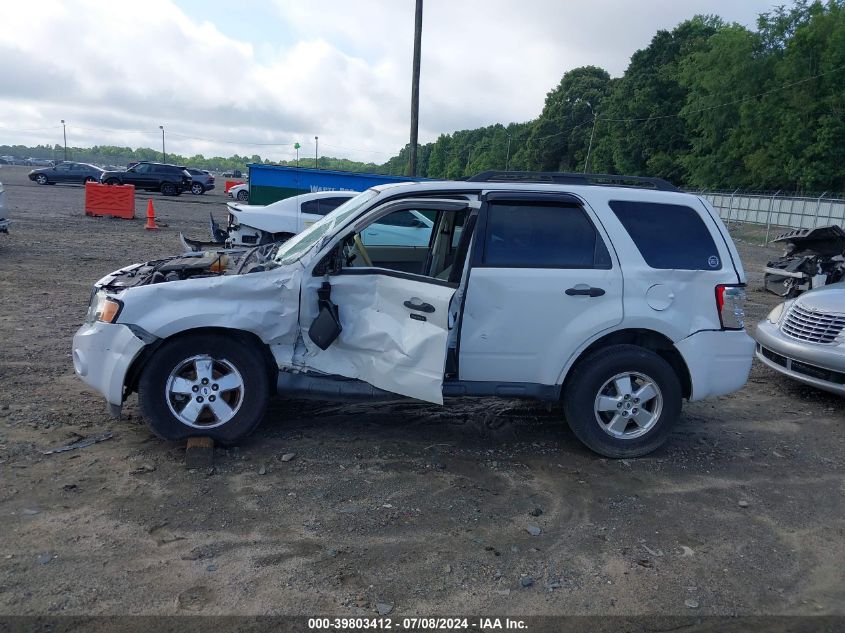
point(394, 324)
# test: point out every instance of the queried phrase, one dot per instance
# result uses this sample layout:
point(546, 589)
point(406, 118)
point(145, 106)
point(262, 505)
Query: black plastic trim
point(533, 390)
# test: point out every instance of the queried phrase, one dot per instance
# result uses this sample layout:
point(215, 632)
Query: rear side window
point(668, 236)
point(322, 206)
point(542, 236)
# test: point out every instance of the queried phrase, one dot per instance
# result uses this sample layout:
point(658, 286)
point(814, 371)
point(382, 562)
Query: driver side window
point(421, 242)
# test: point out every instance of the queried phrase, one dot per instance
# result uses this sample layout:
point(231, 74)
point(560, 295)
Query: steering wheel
point(359, 245)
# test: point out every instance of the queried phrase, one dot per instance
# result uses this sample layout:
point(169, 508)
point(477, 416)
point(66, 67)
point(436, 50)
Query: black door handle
point(419, 307)
point(589, 292)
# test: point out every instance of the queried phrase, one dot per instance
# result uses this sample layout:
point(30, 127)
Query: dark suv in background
point(170, 180)
point(202, 180)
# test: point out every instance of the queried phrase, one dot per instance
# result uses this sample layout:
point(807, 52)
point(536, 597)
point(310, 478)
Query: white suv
point(619, 296)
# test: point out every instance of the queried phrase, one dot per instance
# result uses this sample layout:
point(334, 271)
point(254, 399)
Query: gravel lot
point(420, 507)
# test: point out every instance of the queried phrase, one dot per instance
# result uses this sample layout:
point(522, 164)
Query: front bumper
point(820, 365)
point(102, 355)
point(718, 361)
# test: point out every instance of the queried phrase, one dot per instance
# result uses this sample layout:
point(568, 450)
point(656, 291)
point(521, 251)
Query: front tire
point(112, 181)
point(622, 401)
point(205, 385)
point(41, 179)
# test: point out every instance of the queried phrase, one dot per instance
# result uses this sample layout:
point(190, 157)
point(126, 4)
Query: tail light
point(730, 303)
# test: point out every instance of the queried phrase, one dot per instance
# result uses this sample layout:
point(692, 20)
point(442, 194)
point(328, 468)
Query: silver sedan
point(805, 338)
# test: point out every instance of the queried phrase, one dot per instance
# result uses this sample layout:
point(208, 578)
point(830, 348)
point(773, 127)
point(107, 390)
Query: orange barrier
point(115, 200)
point(231, 183)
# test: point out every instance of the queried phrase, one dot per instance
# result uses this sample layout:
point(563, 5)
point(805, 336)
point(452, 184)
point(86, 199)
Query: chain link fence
point(776, 209)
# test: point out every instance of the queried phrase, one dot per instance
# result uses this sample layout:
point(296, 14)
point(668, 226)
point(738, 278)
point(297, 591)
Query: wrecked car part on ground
point(813, 258)
point(517, 291)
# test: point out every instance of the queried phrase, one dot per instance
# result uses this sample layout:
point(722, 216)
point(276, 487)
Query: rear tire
point(622, 401)
point(228, 406)
point(243, 196)
point(197, 189)
point(168, 189)
point(112, 181)
point(88, 179)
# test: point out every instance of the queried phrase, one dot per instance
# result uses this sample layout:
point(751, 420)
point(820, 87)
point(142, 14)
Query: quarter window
point(537, 235)
point(668, 236)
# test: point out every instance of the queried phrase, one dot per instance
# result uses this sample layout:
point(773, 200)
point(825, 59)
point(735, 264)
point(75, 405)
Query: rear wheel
point(205, 385)
point(112, 181)
point(243, 195)
point(622, 401)
point(88, 179)
point(197, 189)
point(168, 189)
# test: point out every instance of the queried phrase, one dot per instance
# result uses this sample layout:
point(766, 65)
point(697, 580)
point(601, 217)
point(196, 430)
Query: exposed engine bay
point(813, 258)
point(211, 263)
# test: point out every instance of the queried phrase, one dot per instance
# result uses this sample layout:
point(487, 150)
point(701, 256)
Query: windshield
point(298, 245)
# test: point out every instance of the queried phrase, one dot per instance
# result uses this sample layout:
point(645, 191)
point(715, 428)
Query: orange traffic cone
point(151, 217)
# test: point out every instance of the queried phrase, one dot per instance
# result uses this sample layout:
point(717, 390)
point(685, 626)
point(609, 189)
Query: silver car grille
point(810, 325)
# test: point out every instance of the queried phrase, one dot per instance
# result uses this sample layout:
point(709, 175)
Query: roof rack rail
point(566, 178)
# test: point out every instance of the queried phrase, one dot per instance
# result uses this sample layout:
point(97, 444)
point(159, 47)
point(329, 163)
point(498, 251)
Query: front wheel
point(112, 181)
point(622, 401)
point(41, 179)
point(88, 179)
point(205, 385)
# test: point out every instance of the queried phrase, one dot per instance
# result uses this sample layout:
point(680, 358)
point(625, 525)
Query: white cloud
point(116, 71)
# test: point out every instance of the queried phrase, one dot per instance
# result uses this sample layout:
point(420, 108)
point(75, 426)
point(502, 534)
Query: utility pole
point(508, 155)
point(590, 146)
point(316, 147)
point(163, 155)
point(415, 90)
point(64, 134)
point(296, 146)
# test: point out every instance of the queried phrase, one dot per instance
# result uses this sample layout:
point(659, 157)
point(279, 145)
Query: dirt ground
point(421, 508)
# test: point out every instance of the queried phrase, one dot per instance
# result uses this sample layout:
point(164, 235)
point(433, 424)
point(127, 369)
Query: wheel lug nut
point(211, 398)
point(199, 398)
point(636, 399)
point(618, 405)
point(214, 387)
point(634, 410)
point(627, 397)
point(195, 388)
point(205, 381)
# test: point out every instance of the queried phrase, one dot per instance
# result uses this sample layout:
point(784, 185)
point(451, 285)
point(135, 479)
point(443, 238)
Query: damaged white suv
point(620, 296)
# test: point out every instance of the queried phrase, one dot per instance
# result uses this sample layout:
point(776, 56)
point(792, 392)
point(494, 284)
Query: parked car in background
point(617, 301)
point(239, 192)
point(40, 162)
point(201, 180)
point(251, 225)
point(4, 223)
point(805, 338)
point(170, 180)
point(67, 172)
point(233, 173)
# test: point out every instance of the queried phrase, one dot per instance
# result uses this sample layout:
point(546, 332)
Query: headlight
point(103, 308)
point(778, 311)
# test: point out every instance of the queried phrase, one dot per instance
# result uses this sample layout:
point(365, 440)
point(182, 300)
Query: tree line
point(709, 104)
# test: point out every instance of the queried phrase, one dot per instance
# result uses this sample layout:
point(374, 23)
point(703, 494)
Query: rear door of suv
point(544, 279)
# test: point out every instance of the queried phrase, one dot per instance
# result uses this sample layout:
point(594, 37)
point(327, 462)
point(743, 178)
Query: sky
point(253, 77)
